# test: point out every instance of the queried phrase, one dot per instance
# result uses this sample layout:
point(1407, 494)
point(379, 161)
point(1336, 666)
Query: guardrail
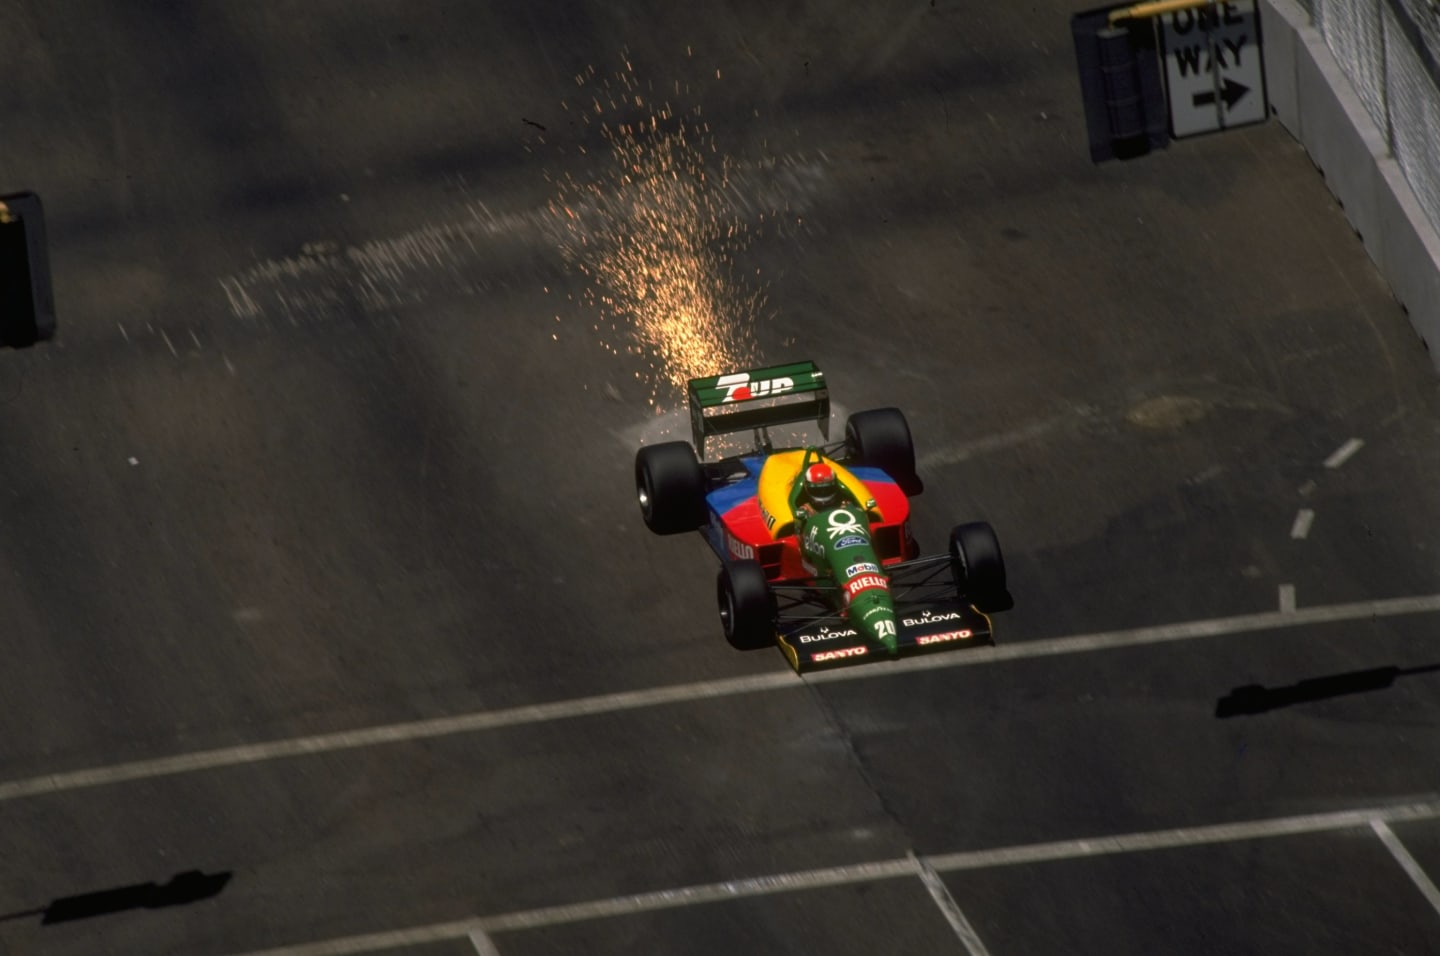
point(1371, 138)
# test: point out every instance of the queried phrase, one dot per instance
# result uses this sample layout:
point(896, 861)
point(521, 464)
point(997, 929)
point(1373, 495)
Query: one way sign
point(1214, 77)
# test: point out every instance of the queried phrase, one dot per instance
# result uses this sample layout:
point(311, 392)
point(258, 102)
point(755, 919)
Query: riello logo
point(739, 388)
point(838, 654)
point(865, 582)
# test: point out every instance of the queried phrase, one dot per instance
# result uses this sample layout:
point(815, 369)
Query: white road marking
point(484, 946)
point(1307, 489)
point(950, 909)
point(657, 900)
point(397, 940)
point(123, 334)
point(1407, 862)
point(1344, 453)
point(1287, 599)
point(1185, 836)
point(704, 690)
point(1161, 634)
point(1304, 518)
point(168, 344)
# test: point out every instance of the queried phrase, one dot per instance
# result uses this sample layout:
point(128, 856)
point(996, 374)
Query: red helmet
point(821, 486)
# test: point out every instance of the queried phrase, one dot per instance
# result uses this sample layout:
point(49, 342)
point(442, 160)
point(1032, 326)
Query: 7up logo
point(739, 388)
point(843, 522)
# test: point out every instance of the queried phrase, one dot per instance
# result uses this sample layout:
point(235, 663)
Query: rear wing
point(758, 398)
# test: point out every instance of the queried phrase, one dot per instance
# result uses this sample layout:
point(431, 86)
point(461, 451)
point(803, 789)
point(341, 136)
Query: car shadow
point(191, 886)
point(1254, 699)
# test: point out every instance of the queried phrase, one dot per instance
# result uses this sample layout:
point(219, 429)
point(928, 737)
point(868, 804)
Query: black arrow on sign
point(1230, 92)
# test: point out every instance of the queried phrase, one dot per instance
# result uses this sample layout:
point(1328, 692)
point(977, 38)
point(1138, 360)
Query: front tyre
point(880, 438)
point(747, 608)
point(670, 486)
point(978, 564)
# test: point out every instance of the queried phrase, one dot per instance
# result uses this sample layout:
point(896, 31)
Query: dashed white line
point(123, 334)
point(168, 344)
point(1287, 599)
point(950, 909)
point(1304, 518)
point(641, 903)
point(704, 690)
point(1344, 453)
point(1407, 863)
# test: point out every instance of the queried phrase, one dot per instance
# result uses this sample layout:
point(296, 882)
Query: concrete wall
point(1311, 96)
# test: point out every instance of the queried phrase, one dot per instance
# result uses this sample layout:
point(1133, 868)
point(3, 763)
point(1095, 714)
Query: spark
point(655, 240)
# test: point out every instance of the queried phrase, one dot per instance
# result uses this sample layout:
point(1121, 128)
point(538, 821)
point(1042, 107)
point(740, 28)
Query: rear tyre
point(880, 438)
point(670, 486)
point(747, 608)
point(978, 564)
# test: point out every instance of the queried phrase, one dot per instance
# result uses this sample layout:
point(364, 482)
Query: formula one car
point(814, 541)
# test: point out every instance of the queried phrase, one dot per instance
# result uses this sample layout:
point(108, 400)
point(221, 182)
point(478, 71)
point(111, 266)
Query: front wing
point(929, 615)
point(828, 642)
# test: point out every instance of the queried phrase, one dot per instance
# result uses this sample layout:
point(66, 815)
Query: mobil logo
point(862, 567)
point(739, 388)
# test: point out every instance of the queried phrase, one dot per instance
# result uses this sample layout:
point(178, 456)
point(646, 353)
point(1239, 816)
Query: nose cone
point(871, 610)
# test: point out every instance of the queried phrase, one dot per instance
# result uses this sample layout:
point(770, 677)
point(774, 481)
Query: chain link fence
point(1390, 51)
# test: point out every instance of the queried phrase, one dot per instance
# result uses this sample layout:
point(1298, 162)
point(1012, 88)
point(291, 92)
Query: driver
point(821, 488)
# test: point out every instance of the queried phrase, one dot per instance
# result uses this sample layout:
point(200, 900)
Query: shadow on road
point(1257, 699)
point(191, 886)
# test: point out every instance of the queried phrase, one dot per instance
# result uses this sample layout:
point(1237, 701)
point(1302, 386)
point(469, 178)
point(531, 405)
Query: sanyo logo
point(838, 653)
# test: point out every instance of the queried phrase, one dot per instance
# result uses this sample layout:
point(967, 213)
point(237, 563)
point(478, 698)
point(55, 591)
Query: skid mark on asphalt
point(1376, 818)
point(480, 721)
point(454, 256)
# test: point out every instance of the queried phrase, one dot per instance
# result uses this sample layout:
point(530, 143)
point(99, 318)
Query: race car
point(814, 540)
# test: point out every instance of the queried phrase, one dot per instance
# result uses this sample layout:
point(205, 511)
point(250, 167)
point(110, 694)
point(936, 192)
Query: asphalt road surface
point(327, 620)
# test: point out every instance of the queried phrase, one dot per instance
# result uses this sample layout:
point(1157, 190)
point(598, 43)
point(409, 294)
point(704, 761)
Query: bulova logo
point(739, 388)
point(838, 653)
point(825, 634)
point(946, 636)
point(928, 617)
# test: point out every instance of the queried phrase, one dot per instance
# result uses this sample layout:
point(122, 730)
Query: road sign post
point(27, 305)
point(1214, 76)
